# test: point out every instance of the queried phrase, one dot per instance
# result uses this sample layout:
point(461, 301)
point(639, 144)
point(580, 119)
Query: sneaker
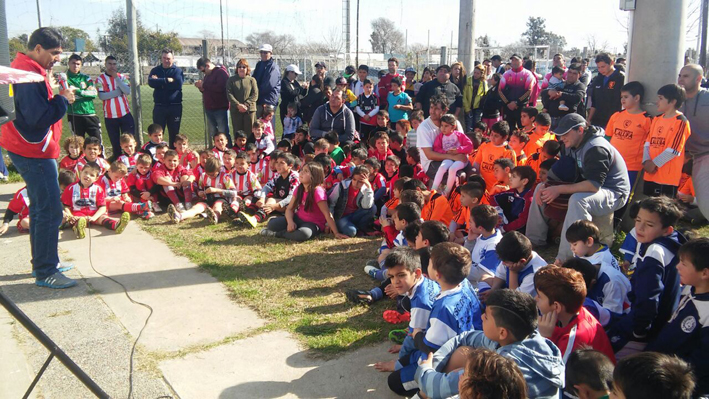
point(3, 177)
point(144, 206)
point(398, 336)
point(147, 215)
point(267, 233)
point(371, 270)
point(56, 280)
point(80, 228)
point(188, 205)
point(563, 107)
point(248, 219)
point(62, 267)
point(373, 262)
point(180, 207)
point(230, 213)
point(123, 223)
point(212, 216)
point(156, 208)
point(174, 214)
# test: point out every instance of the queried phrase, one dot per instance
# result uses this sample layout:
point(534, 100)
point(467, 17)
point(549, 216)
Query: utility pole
point(357, 39)
point(39, 14)
point(428, 49)
point(205, 54)
point(135, 73)
point(221, 21)
point(466, 34)
point(703, 45)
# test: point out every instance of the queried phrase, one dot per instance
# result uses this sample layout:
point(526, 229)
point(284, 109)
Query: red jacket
point(38, 128)
point(588, 332)
point(384, 87)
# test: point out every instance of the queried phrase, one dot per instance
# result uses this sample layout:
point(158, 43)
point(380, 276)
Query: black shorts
point(83, 125)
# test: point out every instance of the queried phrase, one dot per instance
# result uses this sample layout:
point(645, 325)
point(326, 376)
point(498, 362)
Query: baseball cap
point(410, 69)
point(341, 81)
point(266, 47)
point(293, 68)
point(321, 64)
point(350, 70)
point(568, 122)
point(515, 56)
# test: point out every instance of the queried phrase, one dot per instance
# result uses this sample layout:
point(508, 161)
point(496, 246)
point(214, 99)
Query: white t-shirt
point(426, 135)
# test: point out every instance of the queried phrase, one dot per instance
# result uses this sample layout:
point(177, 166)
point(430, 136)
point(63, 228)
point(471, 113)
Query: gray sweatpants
point(700, 179)
point(582, 206)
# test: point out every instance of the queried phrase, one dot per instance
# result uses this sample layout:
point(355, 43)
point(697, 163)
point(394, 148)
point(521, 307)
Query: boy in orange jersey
point(436, 205)
point(629, 128)
point(540, 135)
point(663, 153)
point(496, 148)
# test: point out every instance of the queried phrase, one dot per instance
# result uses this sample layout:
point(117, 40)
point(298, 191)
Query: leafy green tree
point(70, 34)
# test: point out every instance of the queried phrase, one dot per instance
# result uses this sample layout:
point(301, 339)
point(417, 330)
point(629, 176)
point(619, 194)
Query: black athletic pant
point(169, 117)
point(83, 125)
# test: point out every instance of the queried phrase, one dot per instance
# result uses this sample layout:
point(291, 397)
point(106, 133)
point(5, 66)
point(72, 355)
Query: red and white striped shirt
point(84, 201)
point(219, 154)
point(266, 175)
point(257, 167)
point(115, 107)
point(222, 181)
point(114, 189)
point(246, 184)
point(129, 161)
point(102, 163)
point(20, 203)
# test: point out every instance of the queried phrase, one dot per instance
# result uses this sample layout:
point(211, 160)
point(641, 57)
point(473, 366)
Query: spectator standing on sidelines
point(605, 95)
point(242, 92)
point(113, 88)
point(82, 114)
point(291, 91)
point(213, 88)
point(441, 85)
point(32, 142)
point(166, 80)
point(515, 91)
point(268, 77)
point(384, 85)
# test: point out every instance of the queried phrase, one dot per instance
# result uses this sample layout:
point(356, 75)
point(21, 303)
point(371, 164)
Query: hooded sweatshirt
point(538, 358)
point(324, 120)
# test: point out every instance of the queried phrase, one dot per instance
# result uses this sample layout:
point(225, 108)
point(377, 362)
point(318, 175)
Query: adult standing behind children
point(605, 95)
point(113, 88)
point(32, 142)
point(242, 92)
point(441, 85)
point(213, 88)
point(604, 190)
point(384, 85)
point(82, 114)
point(268, 76)
point(515, 90)
point(166, 79)
point(291, 91)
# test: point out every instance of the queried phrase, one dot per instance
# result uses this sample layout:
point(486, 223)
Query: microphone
point(62, 80)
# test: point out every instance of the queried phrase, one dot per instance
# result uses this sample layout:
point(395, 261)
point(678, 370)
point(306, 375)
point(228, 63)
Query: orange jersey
point(462, 216)
point(686, 186)
point(437, 208)
point(628, 133)
point(668, 133)
point(536, 141)
point(487, 154)
point(454, 200)
point(392, 203)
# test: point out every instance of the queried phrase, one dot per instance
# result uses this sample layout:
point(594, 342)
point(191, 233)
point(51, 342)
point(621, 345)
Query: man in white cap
point(291, 90)
point(602, 186)
point(268, 78)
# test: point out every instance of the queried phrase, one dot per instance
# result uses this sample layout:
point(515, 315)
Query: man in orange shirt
point(663, 153)
point(436, 205)
point(629, 128)
point(496, 148)
point(539, 135)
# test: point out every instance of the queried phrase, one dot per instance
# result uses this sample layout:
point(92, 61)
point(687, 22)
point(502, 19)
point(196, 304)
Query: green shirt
point(85, 94)
point(337, 155)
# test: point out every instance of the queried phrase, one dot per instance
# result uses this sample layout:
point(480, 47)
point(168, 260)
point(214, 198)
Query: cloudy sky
point(313, 20)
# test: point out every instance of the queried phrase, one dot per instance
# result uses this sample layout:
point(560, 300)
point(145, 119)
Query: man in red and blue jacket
point(32, 141)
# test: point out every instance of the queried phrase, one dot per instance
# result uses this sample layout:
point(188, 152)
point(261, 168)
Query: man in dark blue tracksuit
point(268, 77)
point(167, 81)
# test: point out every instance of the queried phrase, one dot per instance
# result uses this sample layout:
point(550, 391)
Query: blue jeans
point(3, 168)
point(41, 176)
point(359, 219)
point(218, 122)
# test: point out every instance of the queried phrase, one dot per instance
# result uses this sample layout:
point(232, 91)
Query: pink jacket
point(466, 146)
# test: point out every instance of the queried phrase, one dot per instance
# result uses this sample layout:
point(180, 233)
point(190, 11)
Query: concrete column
point(466, 34)
point(657, 44)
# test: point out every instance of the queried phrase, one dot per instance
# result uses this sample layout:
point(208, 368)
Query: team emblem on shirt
point(688, 324)
point(611, 85)
point(627, 123)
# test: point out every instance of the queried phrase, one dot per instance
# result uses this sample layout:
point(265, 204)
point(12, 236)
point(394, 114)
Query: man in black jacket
point(572, 94)
point(605, 98)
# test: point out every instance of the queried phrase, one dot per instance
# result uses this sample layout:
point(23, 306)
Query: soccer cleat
point(248, 219)
point(394, 317)
point(230, 212)
point(180, 207)
point(371, 270)
point(144, 206)
point(267, 233)
point(147, 215)
point(56, 281)
point(398, 336)
point(212, 216)
point(373, 262)
point(123, 223)
point(80, 228)
point(174, 214)
point(156, 208)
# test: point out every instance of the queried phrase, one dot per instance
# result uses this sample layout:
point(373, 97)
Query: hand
point(483, 295)
point(384, 221)
point(259, 203)
point(395, 349)
point(197, 84)
point(291, 227)
point(512, 106)
point(547, 323)
point(170, 80)
point(4, 228)
point(686, 198)
point(268, 209)
point(91, 219)
point(243, 108)
point(145, 196)
point(210, 190)
point(390, 291)
point(153, 76)
point(517, 267)
point(397, 106)
point(649, 166)
point(427, 361)
point(201, 194)
point(549, 194)
point(341, 236)
point(69, 95)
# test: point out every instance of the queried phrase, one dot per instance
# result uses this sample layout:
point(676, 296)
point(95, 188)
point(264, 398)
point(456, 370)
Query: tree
point(282, 44)
point(18, 44)
point(484, 42)
point(536, 32)
point(556, 43)
point(70, 34)
point(115, 40)
point(385, 37)
point(595, 46)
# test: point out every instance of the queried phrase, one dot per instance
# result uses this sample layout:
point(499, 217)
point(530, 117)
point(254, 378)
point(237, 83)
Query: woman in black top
point(291, 90)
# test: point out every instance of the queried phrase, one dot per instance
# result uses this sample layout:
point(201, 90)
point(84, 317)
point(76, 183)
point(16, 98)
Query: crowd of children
point(485, 312)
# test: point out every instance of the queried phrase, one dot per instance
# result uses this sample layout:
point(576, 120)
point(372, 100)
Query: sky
point(314, 20)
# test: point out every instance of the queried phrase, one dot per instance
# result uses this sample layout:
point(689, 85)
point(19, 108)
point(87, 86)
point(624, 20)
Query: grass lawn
point(298, 287)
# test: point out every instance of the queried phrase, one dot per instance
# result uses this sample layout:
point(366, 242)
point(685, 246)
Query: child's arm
point(648, 288)
point(466, 145)
point(99, 212)
point(166, 181)
point(322, 205)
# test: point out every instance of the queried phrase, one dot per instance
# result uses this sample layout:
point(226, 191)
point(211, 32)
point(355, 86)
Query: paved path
point(96, 325)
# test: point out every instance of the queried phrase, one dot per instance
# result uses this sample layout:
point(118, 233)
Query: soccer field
point(192, 116)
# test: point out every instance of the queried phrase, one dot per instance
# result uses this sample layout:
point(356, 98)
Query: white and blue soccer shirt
point(423, 295)
point(612, 287)
point(454, 311)
point(485, 260)
point(525, 278)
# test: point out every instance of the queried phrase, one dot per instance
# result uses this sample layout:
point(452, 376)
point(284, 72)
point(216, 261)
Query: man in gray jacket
point(333, 116)
point(604, 189)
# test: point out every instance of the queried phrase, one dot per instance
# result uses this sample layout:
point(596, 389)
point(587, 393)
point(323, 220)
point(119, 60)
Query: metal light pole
point(466, 34)
point(135, 75)
point(39, 14)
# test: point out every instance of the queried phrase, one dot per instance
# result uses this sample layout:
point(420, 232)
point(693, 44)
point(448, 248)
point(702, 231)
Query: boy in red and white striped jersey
point(117, 197)
point(213, 186)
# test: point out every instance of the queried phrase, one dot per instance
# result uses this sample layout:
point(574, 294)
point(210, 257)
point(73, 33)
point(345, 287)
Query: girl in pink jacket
point(452, 142)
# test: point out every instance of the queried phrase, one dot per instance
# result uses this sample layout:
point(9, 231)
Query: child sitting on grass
point(483, 219)
point(19, 205)
point(560, 296)
point(436, 205)
point(514, 203)
point(509, 328)
point(175, 180)
point(141, 186)
point(451, 142)
point(547, 155)
point(220, 146)
point(352, 203)
point(455, 310)
point(189, 158)
point(307, 214)
point(517, 141)
point(276, 194)
point(501, 169)
point(212, 186)
point(73, 146)
point(488, 152)
point(492, 374)
point(155, 133)
point(85, 202)
point(470, 196)
point(413, 158)
point(393, 229)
